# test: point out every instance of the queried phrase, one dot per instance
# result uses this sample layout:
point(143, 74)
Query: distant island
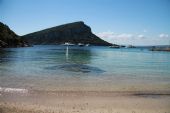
point(76, 32)
point(10, 39)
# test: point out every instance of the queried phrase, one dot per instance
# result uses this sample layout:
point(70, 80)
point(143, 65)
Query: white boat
point(68, 44)
point(80, 44)
point(87, 45)
point(131, 46)
point(114, 46)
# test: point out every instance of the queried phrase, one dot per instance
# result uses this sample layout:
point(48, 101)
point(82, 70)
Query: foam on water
point(13, 90)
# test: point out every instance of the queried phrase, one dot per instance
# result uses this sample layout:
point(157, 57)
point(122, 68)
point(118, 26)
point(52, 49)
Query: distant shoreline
point(160, 49)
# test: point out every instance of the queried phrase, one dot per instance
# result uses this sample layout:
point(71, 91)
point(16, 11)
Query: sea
point(92, 68)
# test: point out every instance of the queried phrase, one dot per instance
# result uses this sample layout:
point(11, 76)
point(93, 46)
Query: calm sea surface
point(84, 68)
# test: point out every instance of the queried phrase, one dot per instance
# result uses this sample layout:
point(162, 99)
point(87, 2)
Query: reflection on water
point(76, 61)
point(78, 55)
point(5, 54)
point(67, 53)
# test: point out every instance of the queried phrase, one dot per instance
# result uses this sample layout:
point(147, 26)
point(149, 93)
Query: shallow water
point(84, 68)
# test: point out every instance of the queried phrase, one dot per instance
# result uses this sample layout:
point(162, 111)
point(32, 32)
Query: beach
point(84, 102)
point(47, 79)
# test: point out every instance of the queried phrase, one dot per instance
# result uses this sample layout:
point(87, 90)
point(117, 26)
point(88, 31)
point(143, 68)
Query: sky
point(129, 22)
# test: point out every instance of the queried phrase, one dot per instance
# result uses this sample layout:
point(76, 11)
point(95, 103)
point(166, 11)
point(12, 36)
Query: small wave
point(13, 90)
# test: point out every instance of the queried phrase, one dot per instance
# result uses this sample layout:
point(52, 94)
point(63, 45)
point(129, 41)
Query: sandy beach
point(84, 102)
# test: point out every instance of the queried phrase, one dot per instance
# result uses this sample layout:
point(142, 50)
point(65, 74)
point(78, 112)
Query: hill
point(8, 38)
point(76, 32)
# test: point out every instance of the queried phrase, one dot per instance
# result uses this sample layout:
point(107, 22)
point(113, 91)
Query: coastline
point(38, 101)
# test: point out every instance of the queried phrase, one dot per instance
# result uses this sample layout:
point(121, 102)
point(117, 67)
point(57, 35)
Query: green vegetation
point(8, 38)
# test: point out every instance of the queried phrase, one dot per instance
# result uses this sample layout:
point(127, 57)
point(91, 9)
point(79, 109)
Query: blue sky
point(137, 22)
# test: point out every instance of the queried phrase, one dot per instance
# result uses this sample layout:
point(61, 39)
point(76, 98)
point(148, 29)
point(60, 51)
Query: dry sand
point(85, 102)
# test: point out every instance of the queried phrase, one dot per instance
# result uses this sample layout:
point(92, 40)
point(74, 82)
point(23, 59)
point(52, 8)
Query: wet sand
point(38, 101)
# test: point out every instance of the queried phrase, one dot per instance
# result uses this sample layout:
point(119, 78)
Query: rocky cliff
point(76, 32)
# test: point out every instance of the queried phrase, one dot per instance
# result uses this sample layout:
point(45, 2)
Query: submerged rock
point(77, 68)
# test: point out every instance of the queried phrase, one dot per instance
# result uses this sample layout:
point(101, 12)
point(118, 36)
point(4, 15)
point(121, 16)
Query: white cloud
point(141, 36)
point(107, 34)
point(134, 39)
point(163, 35)
point(110, 34)
point(124, 35)
point(123, 38)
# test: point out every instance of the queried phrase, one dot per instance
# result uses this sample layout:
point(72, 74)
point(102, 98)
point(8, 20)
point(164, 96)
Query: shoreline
point(38, 101)
point(24, 91)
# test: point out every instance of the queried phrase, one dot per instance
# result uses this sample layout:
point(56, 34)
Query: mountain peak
point(78, 22)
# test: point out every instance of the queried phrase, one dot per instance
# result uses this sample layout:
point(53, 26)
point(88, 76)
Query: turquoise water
point(51, 66)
